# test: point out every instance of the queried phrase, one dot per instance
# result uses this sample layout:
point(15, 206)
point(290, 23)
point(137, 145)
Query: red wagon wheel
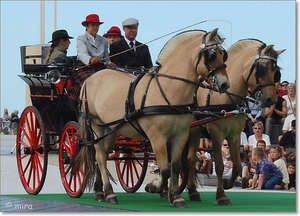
point(31, 151)
point(68, 144)
point(131, 169)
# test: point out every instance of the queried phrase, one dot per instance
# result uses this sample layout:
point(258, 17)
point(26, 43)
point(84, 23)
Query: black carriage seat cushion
point(36, 68)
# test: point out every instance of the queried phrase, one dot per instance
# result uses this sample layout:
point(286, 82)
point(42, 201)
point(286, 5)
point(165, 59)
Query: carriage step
point(28, 150)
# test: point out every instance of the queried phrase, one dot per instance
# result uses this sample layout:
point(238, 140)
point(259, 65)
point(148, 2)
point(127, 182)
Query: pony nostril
point(225, 86)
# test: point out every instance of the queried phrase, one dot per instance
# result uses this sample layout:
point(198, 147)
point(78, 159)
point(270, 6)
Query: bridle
point(209, 56)
point(261, 69)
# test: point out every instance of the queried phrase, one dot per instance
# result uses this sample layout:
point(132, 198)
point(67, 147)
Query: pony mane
point(177, 40)
point(244, 43)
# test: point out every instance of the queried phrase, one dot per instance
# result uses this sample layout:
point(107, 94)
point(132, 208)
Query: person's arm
point(254, 180)
point(82, 51)
point(261, 179)
point(283, 112)
point(269, 111)
point(282, 143)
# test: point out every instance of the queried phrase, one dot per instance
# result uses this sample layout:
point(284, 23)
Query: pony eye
point(210, 55)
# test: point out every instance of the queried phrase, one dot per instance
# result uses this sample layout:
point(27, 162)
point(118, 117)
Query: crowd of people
point(9, 123)
point(264, 165)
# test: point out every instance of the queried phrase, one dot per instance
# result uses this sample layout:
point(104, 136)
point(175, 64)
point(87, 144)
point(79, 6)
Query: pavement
point(11, 184)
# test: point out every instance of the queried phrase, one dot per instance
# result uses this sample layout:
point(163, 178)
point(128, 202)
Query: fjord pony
point(157, 106)
point(252, 67)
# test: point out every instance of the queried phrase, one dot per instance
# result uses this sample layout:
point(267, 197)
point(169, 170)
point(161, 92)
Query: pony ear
point(213, 34)
point(280, 51)
point(222, 40)
point(268, 48)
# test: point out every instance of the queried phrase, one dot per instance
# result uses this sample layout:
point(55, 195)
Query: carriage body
point(48, 125)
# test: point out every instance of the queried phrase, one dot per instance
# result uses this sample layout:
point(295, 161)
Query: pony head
point(266, 74)
point(214, 58)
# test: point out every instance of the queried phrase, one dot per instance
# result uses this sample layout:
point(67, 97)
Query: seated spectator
point(262, 144)
point(247, 182)
point(275, 114)
point(267, 174)
point(244, 142)
point(204, 162)
point(290, 98)
point(288, 121)
point(288, 141)
point(291, 169)
point(258, 129)
point(282, 90)
point(227, 172)
point(276, 155)
point(5, 116)
point(255, 115)
point(244, 172)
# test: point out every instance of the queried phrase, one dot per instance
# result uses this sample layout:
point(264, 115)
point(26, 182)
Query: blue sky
point(273, 22)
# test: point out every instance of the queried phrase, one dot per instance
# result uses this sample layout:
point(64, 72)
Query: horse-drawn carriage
point(160, 107)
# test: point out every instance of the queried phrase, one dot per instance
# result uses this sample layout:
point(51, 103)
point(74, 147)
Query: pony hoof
point(195, 197)
point(112, 200)
point(179, 203)
point(164, 195)
point(224, 202)
point(149, 189)
point(100, 198)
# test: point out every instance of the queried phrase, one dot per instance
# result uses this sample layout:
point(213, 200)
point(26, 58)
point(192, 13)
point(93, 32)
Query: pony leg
point(98, 187)
point(101, 158)
point(192, 145)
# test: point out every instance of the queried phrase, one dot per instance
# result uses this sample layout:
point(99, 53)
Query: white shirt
point(244, 140)
point(287, 125)
point(289, 104)
point(253, 142)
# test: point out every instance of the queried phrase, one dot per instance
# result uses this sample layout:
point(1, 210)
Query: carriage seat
point(63, 64)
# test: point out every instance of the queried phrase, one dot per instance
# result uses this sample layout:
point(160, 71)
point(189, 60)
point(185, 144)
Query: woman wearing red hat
point(113, 35)
point(60, 43)
point(92, 54)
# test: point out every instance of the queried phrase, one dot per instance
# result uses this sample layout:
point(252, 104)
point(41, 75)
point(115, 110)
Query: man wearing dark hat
point(128, 52)
point(60, 43)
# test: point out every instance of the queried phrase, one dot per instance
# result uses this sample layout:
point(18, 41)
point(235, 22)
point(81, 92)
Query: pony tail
point(50, 51)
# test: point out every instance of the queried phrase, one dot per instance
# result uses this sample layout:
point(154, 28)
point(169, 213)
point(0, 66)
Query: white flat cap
point(130, 22)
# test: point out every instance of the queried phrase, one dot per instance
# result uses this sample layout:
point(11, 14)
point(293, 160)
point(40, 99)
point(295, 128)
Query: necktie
point(131, 45)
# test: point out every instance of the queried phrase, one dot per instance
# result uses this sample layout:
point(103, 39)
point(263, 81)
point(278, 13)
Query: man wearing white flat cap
point(128, 52)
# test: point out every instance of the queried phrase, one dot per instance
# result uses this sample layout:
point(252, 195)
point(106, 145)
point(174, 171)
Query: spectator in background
point(227, 172)
point(275, 114)
point(267, 174)
point(258, 135)
point(255, 115)
point(113, 35)
point(128, 52)
point(262, 144)
point(244, 147)
point(291, 169)
point(5, 116)
point(287, 125)
point(290, 98)
point(14, 120)
point(282, 90)
point(60, 43)
point(276, 155)
point(288, 141)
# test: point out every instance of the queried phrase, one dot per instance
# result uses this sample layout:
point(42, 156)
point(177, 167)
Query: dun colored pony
point(158, 106)
point(252, 67)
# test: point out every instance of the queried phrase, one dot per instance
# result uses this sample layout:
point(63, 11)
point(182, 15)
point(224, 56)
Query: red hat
point(91, 18)
point(113, 31)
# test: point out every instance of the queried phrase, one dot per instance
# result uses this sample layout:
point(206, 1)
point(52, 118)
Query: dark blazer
point(130, 58)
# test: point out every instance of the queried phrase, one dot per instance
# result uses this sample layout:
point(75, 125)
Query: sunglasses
point(284, 84)
point(257, 128)
point(225, 144)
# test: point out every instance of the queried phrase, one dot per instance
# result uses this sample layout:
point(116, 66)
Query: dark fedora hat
point(59, 34)
point(91, 18)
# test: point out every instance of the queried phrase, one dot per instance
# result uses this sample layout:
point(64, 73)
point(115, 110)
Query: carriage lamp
point(53, 76)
